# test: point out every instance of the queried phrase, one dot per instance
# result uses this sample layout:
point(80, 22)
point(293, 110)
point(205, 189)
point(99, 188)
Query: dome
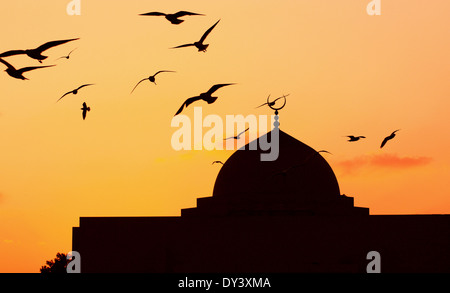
point(300, 173)
point(298, 182)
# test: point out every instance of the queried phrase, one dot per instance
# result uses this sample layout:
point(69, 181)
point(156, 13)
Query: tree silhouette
point(57, 265)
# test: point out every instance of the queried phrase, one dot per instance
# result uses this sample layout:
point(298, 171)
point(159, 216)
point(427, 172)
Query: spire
point(276, 124)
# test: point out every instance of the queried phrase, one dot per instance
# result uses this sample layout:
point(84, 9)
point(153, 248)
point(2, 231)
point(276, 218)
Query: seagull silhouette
point(354, 138)
point(324, 151)
point(204, 96)
point(18, 73)
point(273, 102)
point(173, 18)
point(68, 55)
point(217, 162)
point(237, 136)
point(85, 109)
point(386, 139)
point(311, 156)
point(75, 91)
point(200, 46)
point(36, 53)
point(151, 78)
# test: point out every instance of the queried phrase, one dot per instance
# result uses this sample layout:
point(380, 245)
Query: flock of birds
point(37, 54)
point(173, 18)
point(352, 138)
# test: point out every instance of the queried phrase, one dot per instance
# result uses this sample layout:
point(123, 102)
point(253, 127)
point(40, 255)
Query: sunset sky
point(347, 73)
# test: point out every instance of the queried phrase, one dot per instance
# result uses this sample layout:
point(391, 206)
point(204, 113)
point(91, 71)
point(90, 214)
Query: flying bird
point(68, 55)
point(204, 96)
point(75, 91)
point(199, 45)
point(217, 162)
point(270, 104)
point(355, 138)
point(173, 18)
point(238, 136)
point(85, 109)
point(36, 53)
point(18, 73)
point(151, 78)
point(324, 151)
point(311, 156)
point(388, 138)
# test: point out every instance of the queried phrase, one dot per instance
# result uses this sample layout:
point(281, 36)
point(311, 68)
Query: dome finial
point(271, 105)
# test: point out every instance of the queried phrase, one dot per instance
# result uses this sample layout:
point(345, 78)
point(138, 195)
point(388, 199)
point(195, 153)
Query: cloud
point(391, 161)
point(352, 165)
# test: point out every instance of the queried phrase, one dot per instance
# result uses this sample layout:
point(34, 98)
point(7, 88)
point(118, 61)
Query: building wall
point(252, 244)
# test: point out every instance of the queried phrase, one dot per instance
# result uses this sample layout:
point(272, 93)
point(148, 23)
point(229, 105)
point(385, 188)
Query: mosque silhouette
point(282, 216)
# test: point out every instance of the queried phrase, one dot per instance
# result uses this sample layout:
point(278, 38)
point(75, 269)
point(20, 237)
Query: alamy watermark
point(74, 262)
point(374, 7)
point(190, 134)
point(374, 266)
point(74, 7)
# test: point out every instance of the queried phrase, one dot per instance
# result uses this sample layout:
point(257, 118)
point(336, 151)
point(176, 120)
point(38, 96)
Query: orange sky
point(347, 73)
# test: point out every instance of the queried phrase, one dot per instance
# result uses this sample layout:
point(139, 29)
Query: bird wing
point(64, 95)
point(51, 44)
point(7, 64)
point(182, 46)
point(207, 32)
point(84, 86)
point(162, 71)
point(277, 99)
point(12, 52)
point(216, 87)
point(187, 103)
point(138, 84)
point(384, 142)
point(261, 105)
point(243, 132)
point(68, 55)
point(25, 69)
point(155, 13)
point(183, 13)
point(324, 151)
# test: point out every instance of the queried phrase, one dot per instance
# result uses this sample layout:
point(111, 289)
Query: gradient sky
point(347, 73)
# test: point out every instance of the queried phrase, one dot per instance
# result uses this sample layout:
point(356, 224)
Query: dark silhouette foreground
point(254, 222)
point(57, 265)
